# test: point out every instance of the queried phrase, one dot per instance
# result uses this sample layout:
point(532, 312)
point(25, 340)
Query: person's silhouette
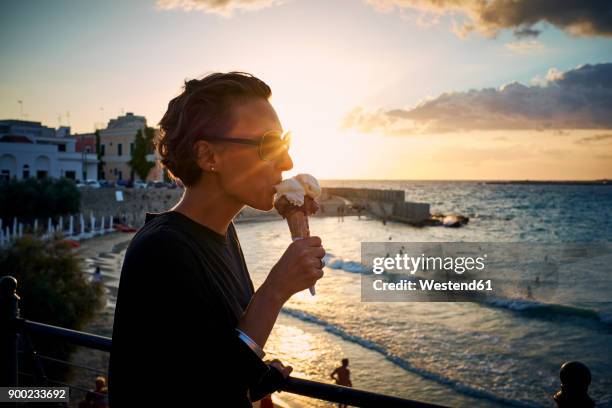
point(342, 376)
point(575, 381)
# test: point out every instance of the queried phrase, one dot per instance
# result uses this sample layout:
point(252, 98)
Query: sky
point(377, 89)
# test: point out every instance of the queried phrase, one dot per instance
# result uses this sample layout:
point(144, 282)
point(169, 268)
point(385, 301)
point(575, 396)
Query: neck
point(208, 206)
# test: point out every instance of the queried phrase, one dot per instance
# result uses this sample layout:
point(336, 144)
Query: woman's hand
point(276, 363)
point(299, 268)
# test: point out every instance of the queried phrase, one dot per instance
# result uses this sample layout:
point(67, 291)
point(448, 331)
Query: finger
point(315, 252)
point(317, 273)
point(317, 263)
point(313, 241)
point(286, 371)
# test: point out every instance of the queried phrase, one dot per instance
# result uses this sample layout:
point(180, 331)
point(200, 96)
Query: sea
point(503, 352)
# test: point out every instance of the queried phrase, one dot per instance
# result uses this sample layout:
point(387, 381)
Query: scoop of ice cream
point(310, 205)
point(284, 207)
point(310, 184)
point(292, 190)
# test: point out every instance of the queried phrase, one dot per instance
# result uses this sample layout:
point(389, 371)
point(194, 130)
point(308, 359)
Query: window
point(5, 175)
point(88, 150)
point(26, 171)
point(119, 149)
point(61, 148)
point(131, 149)
point(41, 174)
point(102, 150)
point(70, 175)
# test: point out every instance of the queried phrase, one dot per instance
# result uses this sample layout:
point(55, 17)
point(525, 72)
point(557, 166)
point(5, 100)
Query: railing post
point(9, 312)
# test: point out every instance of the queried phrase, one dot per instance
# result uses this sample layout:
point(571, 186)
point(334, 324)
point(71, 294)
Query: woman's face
point(242, 174)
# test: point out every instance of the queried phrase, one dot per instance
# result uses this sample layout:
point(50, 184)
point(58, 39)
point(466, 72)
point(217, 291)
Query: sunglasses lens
point(273, 146)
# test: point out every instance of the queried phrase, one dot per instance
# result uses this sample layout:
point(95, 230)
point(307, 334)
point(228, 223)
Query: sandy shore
point(100, 244)
point(95, 251)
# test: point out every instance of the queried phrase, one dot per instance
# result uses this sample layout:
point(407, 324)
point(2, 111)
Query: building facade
point(117, 146)
point(29, 149)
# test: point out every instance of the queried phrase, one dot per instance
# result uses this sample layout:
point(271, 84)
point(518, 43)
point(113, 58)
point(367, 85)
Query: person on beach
point(188, 322)
point(98, 397)
point(342, 376)
point(97, 276)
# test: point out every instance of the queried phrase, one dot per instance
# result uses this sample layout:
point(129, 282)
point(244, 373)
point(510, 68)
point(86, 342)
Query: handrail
point(347, 395)
point(9, 314)
point(89, 340)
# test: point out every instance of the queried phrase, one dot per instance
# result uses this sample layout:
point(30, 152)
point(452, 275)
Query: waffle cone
point(298, 225)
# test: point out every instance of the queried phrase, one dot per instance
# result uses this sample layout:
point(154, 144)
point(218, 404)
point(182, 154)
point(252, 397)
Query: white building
point(29, 149)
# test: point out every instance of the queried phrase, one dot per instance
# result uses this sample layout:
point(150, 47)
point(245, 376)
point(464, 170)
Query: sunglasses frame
point(285, 140)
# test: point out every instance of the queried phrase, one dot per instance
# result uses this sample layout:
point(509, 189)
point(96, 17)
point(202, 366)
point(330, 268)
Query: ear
point(205, 155)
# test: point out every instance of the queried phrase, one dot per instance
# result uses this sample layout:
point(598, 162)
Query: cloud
point(525, 46)
point(577, 17)
point(526, 32)
point(225, 8)
point(580, 98)
point(595, 139)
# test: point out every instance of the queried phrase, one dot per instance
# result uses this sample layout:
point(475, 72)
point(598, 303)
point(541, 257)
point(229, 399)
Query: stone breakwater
point(134, 203)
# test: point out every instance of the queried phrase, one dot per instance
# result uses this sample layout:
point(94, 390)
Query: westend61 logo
point(475, 272)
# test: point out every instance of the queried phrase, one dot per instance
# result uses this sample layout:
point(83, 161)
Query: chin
point(268, 206)
point(263, 206)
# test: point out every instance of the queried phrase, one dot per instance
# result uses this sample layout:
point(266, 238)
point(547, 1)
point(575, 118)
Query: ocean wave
point(526, 307)
point(333, 262)
point(549, 310)
point(403, 363)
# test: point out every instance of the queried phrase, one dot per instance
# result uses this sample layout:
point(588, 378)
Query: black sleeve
point(171, 344)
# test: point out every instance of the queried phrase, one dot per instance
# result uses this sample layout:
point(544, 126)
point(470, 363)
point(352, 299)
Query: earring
point(212, 168)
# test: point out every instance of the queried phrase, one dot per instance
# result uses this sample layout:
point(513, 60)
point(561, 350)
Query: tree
point(53, 290)
point(143, 145)
point(38, 198)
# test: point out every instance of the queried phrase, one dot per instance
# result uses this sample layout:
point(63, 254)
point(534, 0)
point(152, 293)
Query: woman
point(189, 326)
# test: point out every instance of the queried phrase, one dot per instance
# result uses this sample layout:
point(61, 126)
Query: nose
point(285, 163)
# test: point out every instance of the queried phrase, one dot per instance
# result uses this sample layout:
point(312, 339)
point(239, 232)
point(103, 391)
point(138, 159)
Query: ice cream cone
point(298, 225)
point(295, 200)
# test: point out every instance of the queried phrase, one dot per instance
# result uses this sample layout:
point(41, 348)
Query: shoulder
point(158, 238)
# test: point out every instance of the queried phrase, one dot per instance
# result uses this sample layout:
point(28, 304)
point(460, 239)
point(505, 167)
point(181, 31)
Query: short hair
point(101, 381)
point(205, 107)
point(345, 361)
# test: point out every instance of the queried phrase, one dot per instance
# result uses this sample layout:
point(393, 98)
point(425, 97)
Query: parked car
point(93, 183)
point(79, 183)
point(125, 183)
point(106, 183)
point(140, 184)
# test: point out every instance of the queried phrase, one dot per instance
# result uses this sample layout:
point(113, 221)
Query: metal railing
point(12, 325)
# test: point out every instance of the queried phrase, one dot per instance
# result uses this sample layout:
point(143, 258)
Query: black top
point(182, 290)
